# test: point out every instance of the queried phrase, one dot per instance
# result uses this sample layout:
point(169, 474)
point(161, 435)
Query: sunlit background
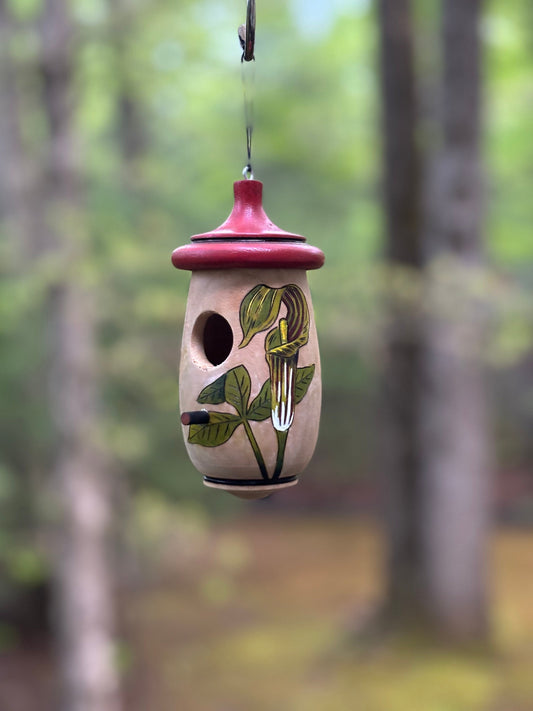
point(224, 605)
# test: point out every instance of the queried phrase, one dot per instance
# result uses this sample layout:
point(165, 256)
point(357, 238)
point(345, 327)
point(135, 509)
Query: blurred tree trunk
point(130, 124)
point(435, 444)
point(18, 181)
point(82, 575)
point(454, 431)
point(16, 177)
point(400, 397)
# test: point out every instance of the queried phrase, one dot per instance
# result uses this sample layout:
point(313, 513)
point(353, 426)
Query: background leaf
point(237, 388)
point(213, 394)
point(216, 432)
point(261, 405)
point(304, 376)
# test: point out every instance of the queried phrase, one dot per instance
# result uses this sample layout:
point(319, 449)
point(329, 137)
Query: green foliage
point(509, 149)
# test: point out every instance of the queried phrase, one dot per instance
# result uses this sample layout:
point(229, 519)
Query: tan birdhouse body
point(250, 382)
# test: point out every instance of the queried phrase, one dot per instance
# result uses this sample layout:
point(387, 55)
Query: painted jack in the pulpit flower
point(286, 386)
point(282, 381)
point(259, 310)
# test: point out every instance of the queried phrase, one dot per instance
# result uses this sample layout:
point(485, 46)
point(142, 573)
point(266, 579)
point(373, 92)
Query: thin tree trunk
point(454, 429)
point(20, 225)
point(400, 396)
point(16, 178)
point(434, 420)
point(83, 609)
point(131, 130)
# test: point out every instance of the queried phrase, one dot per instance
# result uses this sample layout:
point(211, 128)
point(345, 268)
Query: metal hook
point(247, 33)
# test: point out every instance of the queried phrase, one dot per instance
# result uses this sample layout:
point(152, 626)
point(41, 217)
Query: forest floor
point(262, 613)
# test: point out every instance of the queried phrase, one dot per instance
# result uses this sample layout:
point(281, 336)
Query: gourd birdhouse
point(250, 388)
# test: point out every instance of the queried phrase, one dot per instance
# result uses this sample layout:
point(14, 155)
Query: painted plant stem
point(282, 443)
point(255, 447)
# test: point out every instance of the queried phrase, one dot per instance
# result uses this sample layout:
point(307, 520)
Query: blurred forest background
point(121, 133)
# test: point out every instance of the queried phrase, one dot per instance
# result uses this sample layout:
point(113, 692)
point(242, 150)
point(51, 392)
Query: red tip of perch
point(199, 417)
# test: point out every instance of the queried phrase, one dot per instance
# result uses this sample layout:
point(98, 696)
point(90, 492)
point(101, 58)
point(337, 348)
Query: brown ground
point(257, 615)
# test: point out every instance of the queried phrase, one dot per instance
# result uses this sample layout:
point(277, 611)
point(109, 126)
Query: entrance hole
point(216, 338)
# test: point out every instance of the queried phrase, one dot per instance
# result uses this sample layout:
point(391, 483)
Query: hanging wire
point(247, 42)
point(248, 81)
point(247, 33)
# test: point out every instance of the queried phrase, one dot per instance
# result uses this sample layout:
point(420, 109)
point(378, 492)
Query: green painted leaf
point(213, 394)
point(237, 388)
point(217, 431)
point(259, 309)
point(304, 376)
point(273, 339)
point(261, 405)
point(274, 346)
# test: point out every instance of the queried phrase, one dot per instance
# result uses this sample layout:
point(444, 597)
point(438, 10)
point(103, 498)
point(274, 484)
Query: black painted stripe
point(250, 482)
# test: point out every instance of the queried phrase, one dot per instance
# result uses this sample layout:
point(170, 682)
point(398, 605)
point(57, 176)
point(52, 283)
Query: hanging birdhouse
point(250, 387)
